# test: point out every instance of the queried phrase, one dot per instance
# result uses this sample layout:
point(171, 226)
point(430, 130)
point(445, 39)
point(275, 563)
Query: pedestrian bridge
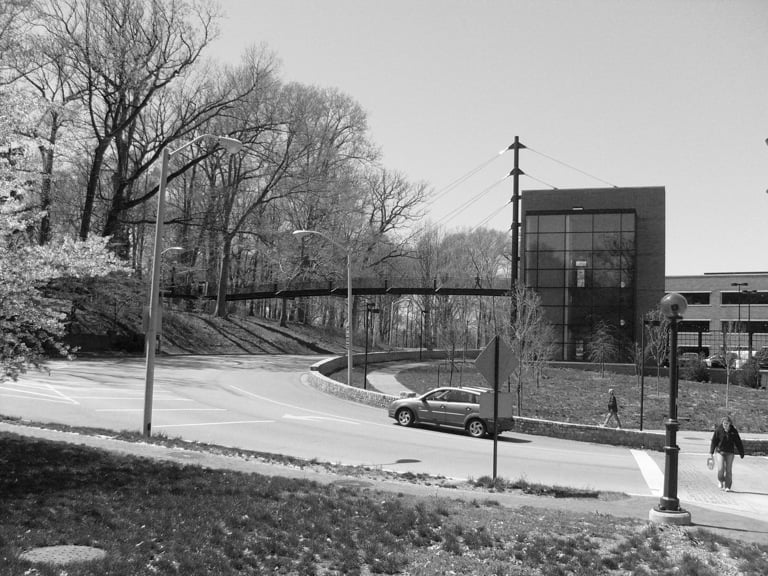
point(361, 286)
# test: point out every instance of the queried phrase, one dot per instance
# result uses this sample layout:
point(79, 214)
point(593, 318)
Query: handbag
point(710, 463)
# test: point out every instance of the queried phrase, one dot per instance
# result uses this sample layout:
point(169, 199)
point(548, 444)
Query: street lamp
point(370, 308)
point(301, 234)
point(750, 295)
point(232, 146)
point(739, 285)
point(668, 511)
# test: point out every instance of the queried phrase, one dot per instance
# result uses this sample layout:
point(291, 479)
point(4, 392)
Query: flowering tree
point(33, 323)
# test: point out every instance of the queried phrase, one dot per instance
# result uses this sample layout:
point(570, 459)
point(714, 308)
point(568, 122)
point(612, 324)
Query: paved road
point(263, 403)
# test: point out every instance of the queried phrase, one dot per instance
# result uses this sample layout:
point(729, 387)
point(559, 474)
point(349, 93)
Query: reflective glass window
point(580, 242)
point(551, 241)
point(580, 223)
point(551, 278)
point(549, 260)
point(551, 223)
point(607, 222)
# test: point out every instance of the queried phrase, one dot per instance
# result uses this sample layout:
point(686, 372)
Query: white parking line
point(652, 474)
point(320, 418)
point(214, 423)
point(163, 410)
point(52, 395)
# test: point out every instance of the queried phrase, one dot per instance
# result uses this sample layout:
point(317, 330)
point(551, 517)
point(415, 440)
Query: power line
point(540, 181)
point(571, 167)
point(439, 194)
point(489, 217)
point(456, 211)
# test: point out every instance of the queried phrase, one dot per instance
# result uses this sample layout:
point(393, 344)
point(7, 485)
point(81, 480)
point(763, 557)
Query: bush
point(696, 371)
point(748, 375)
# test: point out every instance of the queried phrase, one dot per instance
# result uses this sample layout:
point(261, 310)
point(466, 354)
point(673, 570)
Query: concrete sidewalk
point(734, 526)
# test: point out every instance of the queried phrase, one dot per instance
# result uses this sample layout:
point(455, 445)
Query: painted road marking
point(52, 394)
point(652, 474)
point(163, 410)
point(287, 405)
point(320, 418)
point(214, 423)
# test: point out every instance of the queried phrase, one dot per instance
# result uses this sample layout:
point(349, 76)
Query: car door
point(458, 405)
point(431, 409)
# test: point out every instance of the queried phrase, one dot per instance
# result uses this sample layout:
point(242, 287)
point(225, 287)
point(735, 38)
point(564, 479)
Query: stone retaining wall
point(319, 378)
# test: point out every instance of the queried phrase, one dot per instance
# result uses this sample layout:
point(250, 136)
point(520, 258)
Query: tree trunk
point(221, 294)
point(90, 191)
point(45, 190)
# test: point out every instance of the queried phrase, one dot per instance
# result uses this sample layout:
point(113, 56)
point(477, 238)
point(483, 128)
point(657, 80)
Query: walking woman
point(613, 409)
point(725, 443)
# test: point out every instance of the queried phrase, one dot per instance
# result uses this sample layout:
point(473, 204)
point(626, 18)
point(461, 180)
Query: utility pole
point(515, 260)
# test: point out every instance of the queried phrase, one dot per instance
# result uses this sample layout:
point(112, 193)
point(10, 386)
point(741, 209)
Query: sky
point(602, 93)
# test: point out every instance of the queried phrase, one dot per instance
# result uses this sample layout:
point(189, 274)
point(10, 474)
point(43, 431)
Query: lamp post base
point(678, 517)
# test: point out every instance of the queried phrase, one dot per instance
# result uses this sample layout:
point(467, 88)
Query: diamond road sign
point(486, 361)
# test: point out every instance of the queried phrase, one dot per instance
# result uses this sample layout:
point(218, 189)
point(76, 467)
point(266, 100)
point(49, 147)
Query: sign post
point(495, 362)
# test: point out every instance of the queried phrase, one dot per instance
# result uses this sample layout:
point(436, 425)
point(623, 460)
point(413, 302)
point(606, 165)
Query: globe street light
point(301, 234)
point(673, 306)
point(232, 146)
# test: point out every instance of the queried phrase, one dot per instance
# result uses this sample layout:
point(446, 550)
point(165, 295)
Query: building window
point(697, 298)
point(583, 267)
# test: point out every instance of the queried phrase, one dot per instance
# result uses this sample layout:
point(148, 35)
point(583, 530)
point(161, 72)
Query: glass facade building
point(582, 256)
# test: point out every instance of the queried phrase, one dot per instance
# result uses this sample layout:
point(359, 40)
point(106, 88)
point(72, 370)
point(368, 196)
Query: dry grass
point(164, 519)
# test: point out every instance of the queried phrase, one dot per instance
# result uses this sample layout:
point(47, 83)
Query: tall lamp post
point(301, 234)
point(739, 286)
point(370, 308)
point(231, 145)
point(750, 295)
point(668, 511)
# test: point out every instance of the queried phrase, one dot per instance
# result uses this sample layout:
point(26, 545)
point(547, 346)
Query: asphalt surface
point(735, 515)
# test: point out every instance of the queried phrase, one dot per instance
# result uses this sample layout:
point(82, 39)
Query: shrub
point(696, 371)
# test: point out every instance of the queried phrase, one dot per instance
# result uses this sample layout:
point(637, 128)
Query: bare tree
point(658, 340)
point(528, 328)
point(124, 52)
point(602, 345)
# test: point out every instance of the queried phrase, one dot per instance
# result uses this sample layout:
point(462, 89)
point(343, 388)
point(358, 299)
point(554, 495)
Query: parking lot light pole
point(232, 146)
point(668, 511)
point(739, 286)
point(301, 234)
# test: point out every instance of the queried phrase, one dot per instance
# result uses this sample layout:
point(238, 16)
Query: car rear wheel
point(405, 417)
point(476, 428)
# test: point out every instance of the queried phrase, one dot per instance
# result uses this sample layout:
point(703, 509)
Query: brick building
point(726, 312)
point(594, 255)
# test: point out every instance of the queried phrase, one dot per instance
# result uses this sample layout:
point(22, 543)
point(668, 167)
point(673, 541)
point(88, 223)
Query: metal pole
point(642, 371)
point(515, 265)
point(365, 369)
point(495, 404)
point(669, 500)
point(154, 292)
point(349, 318)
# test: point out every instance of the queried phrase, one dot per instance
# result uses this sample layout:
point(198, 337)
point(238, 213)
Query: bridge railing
point(360, 285)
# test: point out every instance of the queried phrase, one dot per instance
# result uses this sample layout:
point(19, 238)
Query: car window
point(438, 395)
point(461, 396)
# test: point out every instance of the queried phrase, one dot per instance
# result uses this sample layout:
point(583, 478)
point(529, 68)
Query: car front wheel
point(405, 417)
point(476, 428)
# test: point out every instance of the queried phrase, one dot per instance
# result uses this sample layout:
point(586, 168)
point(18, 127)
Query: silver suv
point(451, 407)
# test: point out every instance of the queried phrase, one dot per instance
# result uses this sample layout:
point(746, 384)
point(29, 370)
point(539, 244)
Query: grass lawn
point(164, 519)
point(578, 396)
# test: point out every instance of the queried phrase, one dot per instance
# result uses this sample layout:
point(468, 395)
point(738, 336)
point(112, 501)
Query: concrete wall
point(319, 377)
